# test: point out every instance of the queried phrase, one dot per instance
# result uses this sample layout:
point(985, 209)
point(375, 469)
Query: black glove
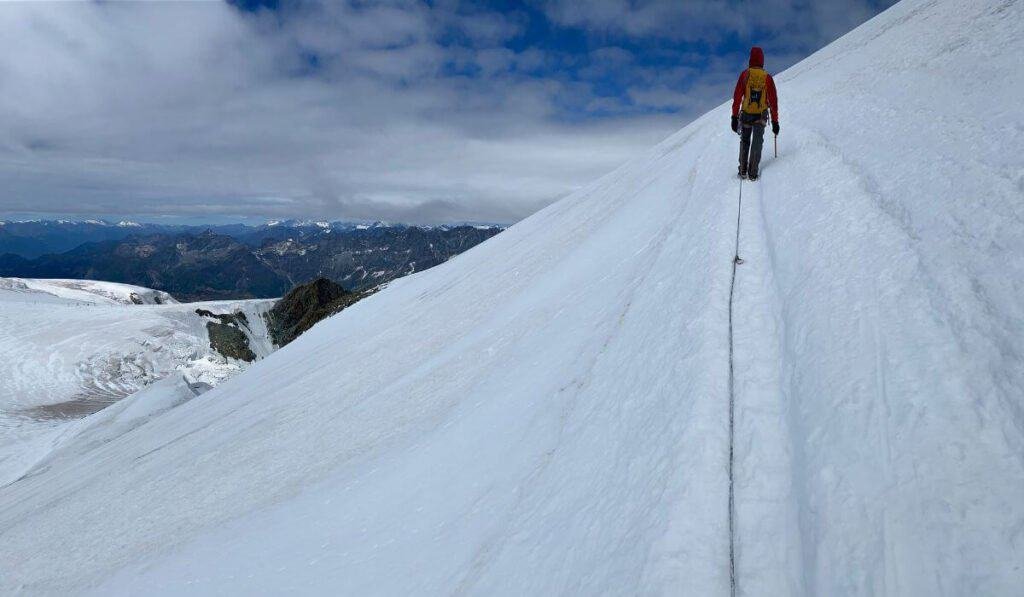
point(775, 128)
point(735, 123)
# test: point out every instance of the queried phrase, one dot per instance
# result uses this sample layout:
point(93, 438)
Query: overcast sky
point(420, 112)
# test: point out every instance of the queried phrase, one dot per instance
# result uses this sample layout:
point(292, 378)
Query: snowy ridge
point(548, 413)
point(89, 292)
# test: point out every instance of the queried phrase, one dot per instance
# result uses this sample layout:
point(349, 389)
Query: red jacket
point(756, 59)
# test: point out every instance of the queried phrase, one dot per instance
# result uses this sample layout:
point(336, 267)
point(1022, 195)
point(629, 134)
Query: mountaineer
point(755, 94)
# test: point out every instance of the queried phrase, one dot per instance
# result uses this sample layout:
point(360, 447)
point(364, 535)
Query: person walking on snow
point(755, 92)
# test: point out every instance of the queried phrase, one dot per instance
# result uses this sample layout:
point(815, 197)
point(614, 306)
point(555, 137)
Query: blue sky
point(400, 110)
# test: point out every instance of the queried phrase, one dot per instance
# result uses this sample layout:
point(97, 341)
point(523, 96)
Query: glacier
point(549, 412)
point(69, 348)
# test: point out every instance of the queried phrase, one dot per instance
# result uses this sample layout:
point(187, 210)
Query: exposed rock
point(230, 341)
point(226, 335)
point(305, 305)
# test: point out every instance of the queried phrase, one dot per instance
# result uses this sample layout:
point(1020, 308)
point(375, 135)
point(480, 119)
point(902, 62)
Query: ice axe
point(776, 145)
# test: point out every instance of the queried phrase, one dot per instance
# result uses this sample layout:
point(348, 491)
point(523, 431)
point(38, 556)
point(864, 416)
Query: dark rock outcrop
point(226, 335)
point(305, 305)
point(230, 341)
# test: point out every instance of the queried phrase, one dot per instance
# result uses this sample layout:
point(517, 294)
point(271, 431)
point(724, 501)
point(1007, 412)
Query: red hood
point(756, 56)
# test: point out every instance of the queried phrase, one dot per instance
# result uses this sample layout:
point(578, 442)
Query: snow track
point(798, 488)
point(768, 552)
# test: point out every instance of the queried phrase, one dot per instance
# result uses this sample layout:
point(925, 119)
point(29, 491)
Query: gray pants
point(751, 141)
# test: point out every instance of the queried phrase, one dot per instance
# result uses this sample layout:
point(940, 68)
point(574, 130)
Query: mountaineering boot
point(742, 172)
point(752, 176)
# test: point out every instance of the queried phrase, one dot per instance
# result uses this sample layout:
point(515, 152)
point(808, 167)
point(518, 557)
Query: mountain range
point(34, 238)
point(238, 262)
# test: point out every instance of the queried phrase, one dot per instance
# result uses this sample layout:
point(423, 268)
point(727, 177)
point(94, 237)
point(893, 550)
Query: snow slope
point(548, 413)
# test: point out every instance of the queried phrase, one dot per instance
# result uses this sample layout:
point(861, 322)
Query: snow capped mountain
point(596, 401)
point(342, 225)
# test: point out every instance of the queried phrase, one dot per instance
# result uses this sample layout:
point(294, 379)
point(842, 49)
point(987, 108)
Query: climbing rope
point(736, 260)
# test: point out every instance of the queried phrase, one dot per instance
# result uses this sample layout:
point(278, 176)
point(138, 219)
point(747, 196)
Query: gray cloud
point(331, 110)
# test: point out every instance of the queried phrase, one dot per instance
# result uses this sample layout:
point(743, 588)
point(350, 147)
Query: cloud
point(392, 110)
point(813, 22)
point(694, 19)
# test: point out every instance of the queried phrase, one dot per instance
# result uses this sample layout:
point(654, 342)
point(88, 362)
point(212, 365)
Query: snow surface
point(547, 413)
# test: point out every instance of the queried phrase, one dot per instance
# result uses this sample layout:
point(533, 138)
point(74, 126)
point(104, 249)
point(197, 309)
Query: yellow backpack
point(755, 99)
